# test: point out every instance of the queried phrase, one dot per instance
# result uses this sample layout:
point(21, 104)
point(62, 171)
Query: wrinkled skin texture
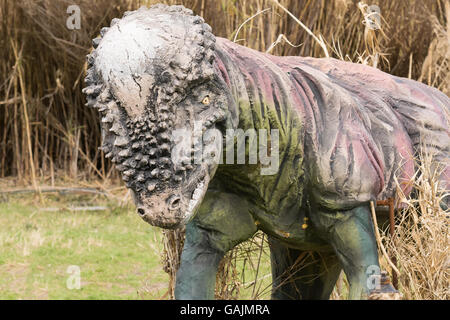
point(345, 132)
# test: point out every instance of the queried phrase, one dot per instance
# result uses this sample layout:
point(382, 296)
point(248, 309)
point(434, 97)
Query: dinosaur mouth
point(197, 195)
point(171, 209)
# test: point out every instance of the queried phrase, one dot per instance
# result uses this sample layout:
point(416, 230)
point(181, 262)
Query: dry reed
point(420, 243)
point(46, 132)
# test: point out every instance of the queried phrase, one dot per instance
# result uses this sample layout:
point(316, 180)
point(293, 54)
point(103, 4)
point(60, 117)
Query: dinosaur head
point(153, 80)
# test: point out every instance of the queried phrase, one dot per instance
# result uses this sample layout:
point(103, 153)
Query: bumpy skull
point(151, 77)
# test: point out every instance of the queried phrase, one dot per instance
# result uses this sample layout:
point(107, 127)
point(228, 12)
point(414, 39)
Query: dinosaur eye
point(206, 100)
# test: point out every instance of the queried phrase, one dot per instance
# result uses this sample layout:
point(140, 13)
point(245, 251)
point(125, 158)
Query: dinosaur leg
point(199, 261)
point(351, 234)
point(300, 274)
point(222, 222)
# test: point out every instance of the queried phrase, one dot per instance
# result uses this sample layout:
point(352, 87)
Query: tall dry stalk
point(435, 70)
point(420, 243)
point(173, 241)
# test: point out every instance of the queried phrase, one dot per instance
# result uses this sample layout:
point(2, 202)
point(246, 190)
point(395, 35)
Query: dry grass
point(45, 127)
point(46, 133)
point(244, 272)
point(420, 243)
point(173, 241)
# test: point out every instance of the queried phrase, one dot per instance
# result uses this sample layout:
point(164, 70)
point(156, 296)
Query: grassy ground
point(119, 256)
point(117, 253)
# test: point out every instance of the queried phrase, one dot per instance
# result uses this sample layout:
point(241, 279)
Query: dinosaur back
point(361, 126)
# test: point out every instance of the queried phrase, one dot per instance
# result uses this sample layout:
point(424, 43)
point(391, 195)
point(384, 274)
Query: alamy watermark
point(262, 147)
point(373, 273)
point(73, 22)
point(74, 279)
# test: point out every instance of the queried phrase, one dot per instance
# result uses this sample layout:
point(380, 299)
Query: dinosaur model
point(335, 133)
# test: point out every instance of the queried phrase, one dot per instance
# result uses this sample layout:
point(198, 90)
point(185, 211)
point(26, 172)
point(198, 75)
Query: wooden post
point(391, 232)
point(391, 203)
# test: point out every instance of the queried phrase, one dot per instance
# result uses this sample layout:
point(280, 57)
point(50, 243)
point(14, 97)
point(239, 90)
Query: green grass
point(117, 253)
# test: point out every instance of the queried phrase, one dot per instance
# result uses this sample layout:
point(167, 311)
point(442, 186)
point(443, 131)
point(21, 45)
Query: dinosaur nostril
point(141, 211)
point(174, 202)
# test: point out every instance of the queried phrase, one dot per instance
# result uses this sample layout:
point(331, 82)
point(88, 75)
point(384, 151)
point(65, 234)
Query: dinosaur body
point(347, 119)
point(345, 131)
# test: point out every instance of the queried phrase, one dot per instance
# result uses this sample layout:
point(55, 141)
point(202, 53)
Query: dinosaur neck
point(259, 93)
point(262, 101)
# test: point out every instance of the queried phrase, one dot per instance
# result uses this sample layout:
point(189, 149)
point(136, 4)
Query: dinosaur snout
point(174, 202)
point(164, 212)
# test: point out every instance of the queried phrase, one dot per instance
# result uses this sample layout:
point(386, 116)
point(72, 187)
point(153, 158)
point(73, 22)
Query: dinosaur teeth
point(196, 195)
point(197, 192)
